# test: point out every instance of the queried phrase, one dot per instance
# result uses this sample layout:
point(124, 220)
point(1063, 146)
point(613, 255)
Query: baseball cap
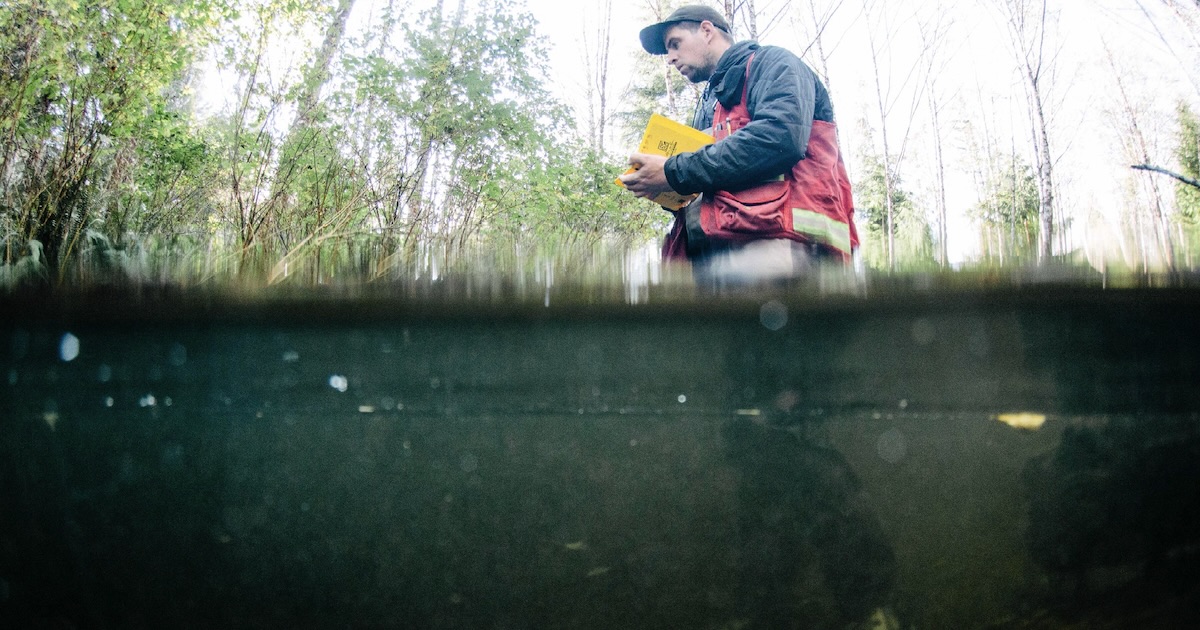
point(652, 36)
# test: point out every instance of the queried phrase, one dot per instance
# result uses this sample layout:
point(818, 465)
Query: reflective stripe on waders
point(821, 228)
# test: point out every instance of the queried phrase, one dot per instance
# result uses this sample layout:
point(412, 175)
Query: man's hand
point(649, 180)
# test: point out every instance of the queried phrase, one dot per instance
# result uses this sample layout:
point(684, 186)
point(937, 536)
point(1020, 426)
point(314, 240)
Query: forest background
point(308, 140)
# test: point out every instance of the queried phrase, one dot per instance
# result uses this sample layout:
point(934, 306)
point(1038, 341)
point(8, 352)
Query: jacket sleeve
point(780, 100)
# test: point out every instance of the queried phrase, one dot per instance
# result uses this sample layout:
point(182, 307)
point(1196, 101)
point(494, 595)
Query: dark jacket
point(785, 96)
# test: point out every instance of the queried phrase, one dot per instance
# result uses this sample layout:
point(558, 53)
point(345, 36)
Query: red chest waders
point(811, 203)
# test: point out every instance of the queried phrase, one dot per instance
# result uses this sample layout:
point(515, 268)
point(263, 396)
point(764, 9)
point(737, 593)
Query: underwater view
point(1017, 457)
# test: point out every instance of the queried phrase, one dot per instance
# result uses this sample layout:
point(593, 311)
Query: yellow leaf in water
point(1024, 420)
point(51, 419)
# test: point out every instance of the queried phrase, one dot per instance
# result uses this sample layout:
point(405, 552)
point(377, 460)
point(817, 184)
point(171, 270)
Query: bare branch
point(1158, 169)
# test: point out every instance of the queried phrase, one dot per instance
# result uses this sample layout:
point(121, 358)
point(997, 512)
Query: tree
point(1128, 120)
point(1028, 22)
point(815, 24)
point(894, 231)
point(298, 138)
point(596, 64)
point(656, 87)
point(908, 92)
point(83, 86)
point(1187, 153)
point(1008, 211)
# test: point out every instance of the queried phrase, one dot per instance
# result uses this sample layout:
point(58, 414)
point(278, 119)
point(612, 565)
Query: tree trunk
point(315, 77)
point(940, 175)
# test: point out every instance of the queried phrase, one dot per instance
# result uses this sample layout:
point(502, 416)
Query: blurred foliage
point(913, 235)
point(433, 132)
point(1008, 212)
point(1187, 151)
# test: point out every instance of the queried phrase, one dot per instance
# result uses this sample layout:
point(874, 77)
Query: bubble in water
point(291, 356)
point(339, 382)
point(104, 373)
point(68, 347)
point(13, 377)
point(682, 398)
point(468, 463)
point(773, 315)
point(891, 446)
point(147, 401)
point(108, 401)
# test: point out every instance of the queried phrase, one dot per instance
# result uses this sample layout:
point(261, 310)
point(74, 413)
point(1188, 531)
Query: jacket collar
point(727, 78)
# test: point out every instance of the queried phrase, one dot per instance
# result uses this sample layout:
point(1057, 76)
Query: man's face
point(688, 50)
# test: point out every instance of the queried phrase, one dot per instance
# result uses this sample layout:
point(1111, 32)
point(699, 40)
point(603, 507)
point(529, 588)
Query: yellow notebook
point(666, 137)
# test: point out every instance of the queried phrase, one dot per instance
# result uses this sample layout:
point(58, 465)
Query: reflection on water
point(1013, 460)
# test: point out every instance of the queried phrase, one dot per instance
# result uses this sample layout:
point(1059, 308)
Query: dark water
point(760, 462)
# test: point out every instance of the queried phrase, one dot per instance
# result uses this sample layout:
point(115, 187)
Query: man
point(774, 194)
point(774, 201)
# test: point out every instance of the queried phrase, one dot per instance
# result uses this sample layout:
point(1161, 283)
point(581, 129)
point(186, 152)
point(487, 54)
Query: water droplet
point(108, 401)
point(68, 347)
point(339, 382)
point(147, 401)
point(891, 446)
point(468, 463)
point(435, 383)
point(167, 401)
point(773, 315)
point(904, 404)
point(682, 398)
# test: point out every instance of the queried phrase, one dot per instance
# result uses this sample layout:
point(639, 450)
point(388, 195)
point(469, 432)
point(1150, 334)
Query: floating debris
point(1025, 421)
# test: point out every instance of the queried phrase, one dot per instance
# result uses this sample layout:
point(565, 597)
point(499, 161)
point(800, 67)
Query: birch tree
point(596, 66)
point(1027, 23)
point(1130, 117)
point(899, 92)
